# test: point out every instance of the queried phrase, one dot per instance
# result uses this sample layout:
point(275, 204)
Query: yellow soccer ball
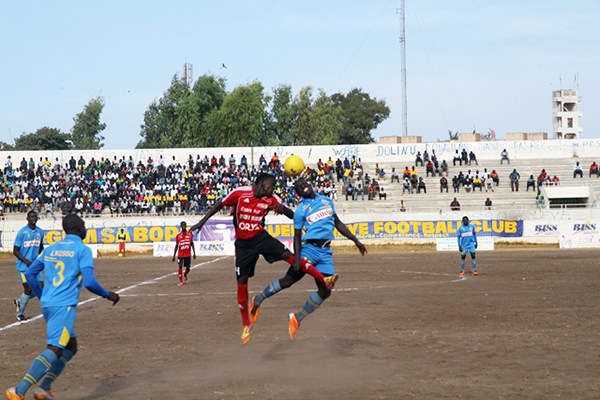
point(293, 165)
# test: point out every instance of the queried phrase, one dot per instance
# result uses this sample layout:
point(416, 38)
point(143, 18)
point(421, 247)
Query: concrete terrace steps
point(502, 197)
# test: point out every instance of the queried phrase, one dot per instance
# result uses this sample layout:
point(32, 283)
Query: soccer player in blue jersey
point(467, 243)
point(29, 243)
point(316, 214)
point(67, 265)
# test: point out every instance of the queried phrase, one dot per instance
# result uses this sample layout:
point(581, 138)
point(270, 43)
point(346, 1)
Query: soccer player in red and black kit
point(184, 246)
point(251, 204)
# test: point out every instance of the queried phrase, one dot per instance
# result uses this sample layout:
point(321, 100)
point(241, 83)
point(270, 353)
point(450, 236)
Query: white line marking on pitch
point(118, 291)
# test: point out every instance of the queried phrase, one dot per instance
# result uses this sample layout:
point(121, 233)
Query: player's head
point(304, 189)
point(465, 220)
point(264, 185)
point(32, 218)
point(74, 225)
point(183, 226)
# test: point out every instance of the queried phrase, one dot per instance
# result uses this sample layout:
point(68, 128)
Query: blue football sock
point(57, 368)
point(38, 369)
point(474, 264)
point(269, 291)
point(313, 302)
point(23, 300)
point(462, 264)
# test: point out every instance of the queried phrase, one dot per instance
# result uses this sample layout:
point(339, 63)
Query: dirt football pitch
point(399, 325)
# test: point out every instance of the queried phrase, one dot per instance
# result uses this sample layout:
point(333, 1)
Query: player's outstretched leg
point(43, 392)
point(38, 369)
point(272, 289)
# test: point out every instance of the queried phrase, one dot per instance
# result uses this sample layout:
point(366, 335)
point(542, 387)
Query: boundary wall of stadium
point(569, 228)
point(368, 153)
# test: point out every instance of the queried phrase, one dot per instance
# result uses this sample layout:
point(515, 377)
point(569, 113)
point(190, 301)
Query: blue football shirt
point(63, 262)
point(466, 236)
point(29, 241)
point(316, 216)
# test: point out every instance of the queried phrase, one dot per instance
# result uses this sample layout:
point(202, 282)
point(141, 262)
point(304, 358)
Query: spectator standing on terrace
point(456, 158)
point(395, 176)
point(402, 208)
point(514, 180)
point(504, 157)
point(530, 183)
point(455, 205)
point(488, 203)
point(406, 185)
point(464, 156)
point(418, 159)
point(251, 205)
point(421, 186)
point(429, 169)
point(577, 170)
point(539, 199)
point(455, 184)
point(594, 169)
point(472, 158)
point(443, 184)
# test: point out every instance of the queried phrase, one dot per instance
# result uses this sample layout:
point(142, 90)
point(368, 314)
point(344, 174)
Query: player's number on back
point(57, 280)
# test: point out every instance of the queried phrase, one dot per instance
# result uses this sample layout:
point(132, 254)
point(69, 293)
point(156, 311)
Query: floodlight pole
point(401, 12)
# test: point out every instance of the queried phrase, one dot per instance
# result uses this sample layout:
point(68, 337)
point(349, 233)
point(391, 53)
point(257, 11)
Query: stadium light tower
point(401, 12)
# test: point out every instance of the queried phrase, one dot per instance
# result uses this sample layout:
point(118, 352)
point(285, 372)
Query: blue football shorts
point(320, 258)
point(60, 322)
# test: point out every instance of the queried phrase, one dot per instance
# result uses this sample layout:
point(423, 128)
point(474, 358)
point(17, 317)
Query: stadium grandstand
point(171, 183)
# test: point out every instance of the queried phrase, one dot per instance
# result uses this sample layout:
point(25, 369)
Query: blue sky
point(474, 64)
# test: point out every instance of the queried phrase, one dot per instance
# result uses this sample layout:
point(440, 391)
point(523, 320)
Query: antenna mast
point(401, 12)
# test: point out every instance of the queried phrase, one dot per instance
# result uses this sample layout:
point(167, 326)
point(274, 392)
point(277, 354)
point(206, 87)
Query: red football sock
point(187, 271)
point(179, 273)
point(242, 298)
point(307, 267)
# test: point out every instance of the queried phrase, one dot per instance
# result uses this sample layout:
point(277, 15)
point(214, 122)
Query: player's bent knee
point(287, 281)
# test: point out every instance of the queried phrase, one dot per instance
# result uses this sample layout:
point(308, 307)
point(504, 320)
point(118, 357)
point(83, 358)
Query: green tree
point(315, 121)
point(178, 119)
point(86, 130)
point(239, 121)
point(5, 146)
point(279, 120)
point(162, 128)
point(44, 139)
point(361, 115)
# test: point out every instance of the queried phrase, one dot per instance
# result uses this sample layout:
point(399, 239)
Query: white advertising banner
point(557, 228)
point(451, 244)
point(215, 248)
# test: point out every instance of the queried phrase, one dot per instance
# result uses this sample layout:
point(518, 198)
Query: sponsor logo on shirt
point(32, 243)
point(62, 253)
point(319, 215)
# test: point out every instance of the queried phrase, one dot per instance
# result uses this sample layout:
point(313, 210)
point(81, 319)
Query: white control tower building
point(565, 114)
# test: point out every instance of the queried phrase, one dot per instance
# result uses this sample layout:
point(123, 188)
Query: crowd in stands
point(123, 186)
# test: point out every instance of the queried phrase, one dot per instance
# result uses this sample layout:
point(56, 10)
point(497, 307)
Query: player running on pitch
point(251, 204)
point(316, 214)
point(184, 246)
point(67, 265)
point(467, 243)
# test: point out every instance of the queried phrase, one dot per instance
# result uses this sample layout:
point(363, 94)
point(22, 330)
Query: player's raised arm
point(282, 209)
point(213, 210)
point(343, 229)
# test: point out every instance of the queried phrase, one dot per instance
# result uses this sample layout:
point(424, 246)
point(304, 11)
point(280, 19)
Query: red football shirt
point(184, 240)
point(250, 211)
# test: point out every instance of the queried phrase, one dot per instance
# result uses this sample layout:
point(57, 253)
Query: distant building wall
point(369, 153)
